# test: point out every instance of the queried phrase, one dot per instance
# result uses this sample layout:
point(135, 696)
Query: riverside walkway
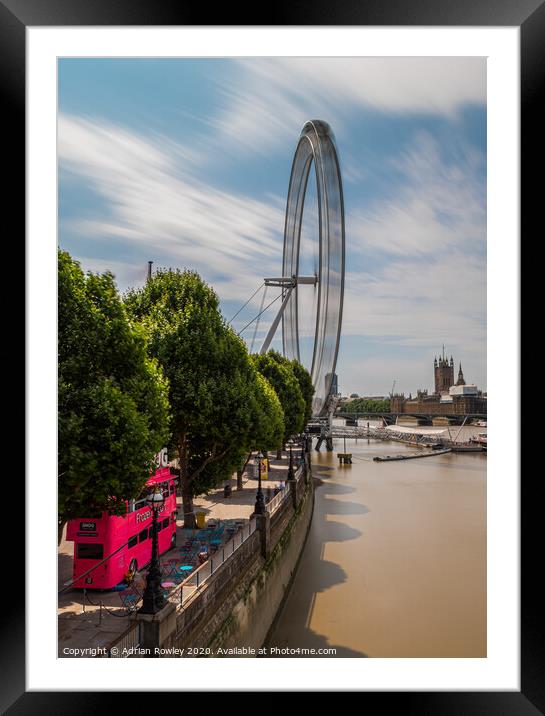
point(97, 618)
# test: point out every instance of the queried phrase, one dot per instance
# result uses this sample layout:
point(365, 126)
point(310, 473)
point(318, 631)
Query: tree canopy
point(366, 405)
point(307, 389)
point(269, 425)
point(279, 372)
point(266, 433)
point(112, 398)
point(212, 381)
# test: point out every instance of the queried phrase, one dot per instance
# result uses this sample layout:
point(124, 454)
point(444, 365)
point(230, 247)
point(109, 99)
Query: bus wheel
point(133, 566)
point(173, 541)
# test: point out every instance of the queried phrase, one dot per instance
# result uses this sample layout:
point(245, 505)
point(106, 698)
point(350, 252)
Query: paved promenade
point(241, 502)
point(87, 625)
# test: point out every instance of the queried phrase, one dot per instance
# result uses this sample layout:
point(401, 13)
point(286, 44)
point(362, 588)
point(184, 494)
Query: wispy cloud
point(434, 207)
point(415, 252)
point(412, 307)
point(153, 199)
point(431, 238)
point(419, 302)
point(268, 99)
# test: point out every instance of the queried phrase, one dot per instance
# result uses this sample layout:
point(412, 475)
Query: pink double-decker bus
point(121, 544)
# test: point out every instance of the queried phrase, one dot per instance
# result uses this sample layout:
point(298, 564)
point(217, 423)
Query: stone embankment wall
point(253, 615)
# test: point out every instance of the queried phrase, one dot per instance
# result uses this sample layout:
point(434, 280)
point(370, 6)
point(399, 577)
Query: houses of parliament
point(450, 397)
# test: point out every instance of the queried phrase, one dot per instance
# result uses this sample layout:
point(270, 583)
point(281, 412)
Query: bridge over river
point(403, 435)
point(424, 418)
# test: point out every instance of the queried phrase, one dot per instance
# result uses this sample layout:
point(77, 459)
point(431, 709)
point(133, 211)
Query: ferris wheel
point(316, 146)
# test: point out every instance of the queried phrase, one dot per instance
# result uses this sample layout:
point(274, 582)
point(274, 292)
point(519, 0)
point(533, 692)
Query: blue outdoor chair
point(130, 598)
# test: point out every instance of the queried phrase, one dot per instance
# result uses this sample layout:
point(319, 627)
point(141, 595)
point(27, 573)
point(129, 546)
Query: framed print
point(155, 141)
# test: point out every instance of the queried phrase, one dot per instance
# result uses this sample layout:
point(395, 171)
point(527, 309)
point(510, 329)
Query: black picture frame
point(529, 15)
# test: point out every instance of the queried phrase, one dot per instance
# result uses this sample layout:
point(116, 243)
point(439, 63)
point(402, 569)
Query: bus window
point(166, 523)
point(172, 489)
point(141, 499)
point(133, 541)
point(143, 535)
point(159, 526)
point(164, 488)
point(90, 551)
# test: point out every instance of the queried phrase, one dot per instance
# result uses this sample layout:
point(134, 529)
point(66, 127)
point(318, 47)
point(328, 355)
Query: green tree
point(307, 389)
point(267, 424)
point(269, 428)
point(363, 405)
point(265, 431)
point(112, 398)
point(211, 379)
point(279, 372)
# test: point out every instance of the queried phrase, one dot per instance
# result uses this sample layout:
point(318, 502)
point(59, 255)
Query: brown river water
point(395, 560)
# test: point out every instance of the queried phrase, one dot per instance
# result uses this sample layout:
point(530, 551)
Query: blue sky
point(186, 162)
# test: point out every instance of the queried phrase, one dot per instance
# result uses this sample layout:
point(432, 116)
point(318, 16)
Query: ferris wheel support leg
point(274, 324)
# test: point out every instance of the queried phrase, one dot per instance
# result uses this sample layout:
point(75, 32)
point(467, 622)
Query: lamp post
point(259, 508)
point(308, 448)
point(291, 475)
point(153, 599)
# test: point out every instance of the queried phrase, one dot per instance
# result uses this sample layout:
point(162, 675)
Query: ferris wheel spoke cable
point(247, 302)
point(257, 322)
point(260, 313)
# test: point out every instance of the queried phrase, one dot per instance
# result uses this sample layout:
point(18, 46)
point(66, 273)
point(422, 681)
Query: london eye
point(315, 148)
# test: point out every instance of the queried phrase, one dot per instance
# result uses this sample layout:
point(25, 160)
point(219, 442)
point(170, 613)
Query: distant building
point(464, 389)
point(458, 398)
point(397, 403)
point(443, 373)
point(461, 380)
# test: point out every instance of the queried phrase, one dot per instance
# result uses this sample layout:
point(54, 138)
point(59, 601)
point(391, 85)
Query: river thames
point(395, 560)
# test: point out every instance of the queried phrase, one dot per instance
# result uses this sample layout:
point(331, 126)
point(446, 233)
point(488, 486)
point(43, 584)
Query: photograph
point(271, 273)
point(272, 357)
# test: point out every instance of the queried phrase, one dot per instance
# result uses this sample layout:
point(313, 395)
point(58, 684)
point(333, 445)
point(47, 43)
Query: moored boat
point(410, 456)
point(468, 447)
